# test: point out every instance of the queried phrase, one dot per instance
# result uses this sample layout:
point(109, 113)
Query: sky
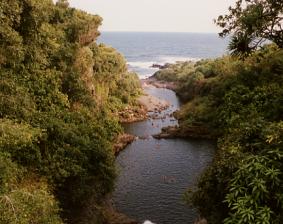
point(156, 15)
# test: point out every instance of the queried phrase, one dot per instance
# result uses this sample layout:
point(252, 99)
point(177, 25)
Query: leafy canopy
point(251, 23)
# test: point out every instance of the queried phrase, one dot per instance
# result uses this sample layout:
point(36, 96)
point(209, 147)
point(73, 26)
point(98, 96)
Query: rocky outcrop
point(160, 66)
point(133, 114)
point(122, 141)
point(193, 131)
point(152, 103)
point(160, 84)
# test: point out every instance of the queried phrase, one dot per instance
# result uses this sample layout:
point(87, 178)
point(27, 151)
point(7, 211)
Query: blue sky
point(156, 15)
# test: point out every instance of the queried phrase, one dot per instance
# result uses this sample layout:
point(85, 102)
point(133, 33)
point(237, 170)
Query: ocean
point(143, 49)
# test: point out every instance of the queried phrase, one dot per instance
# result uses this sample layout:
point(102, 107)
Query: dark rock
point(158, 66)
point(194, 131)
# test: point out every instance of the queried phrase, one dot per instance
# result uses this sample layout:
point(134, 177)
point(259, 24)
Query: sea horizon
point(143, 49)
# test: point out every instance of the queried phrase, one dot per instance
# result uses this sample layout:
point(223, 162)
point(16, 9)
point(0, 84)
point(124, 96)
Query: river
point(154, 174)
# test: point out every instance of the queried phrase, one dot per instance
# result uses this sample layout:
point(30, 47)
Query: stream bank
point(153, 173)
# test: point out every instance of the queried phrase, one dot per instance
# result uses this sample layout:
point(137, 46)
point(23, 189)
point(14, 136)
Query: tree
point(251, 23)
point(63, 3)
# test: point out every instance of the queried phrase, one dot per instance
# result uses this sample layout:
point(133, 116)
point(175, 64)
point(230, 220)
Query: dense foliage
point(251, 23)
point(58, 91)
point(241, 104)
point(239, 101)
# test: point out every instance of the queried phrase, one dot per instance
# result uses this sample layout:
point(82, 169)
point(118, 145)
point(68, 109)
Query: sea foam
point(174, 59)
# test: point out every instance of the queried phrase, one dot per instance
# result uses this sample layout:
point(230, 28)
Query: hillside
point(240, 104)
point(60, 94)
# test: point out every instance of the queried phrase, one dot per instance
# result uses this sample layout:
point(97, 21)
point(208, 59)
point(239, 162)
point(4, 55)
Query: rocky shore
point(145, 104)
point(122, 141)
point(196, 130)
point(159, 83)
point(133, 114)
point(193, 131)
point(153, 104)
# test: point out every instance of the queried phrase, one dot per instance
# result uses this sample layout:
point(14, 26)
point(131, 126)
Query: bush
point(24, 197)
point(241, 102)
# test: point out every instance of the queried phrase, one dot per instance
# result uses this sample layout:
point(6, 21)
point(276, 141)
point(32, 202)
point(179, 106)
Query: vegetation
point(251, 23)
point(239, 99)
point(240, 102)
point(58, 92)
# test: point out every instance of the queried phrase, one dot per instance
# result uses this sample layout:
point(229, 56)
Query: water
point(154, 174)
point(144, 49)
point(150, 127)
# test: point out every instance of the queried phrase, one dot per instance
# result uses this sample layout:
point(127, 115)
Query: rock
point(133, 114)
point(153, 104)
point(193, 131)
point(164, 66)
point(145, 137)
point(122, 142)
point(158, 66)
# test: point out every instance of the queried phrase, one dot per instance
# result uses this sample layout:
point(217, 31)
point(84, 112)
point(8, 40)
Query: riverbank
point(197, 130)
point(160, 124)
point(150, 102)
point(159, 83)
point(145, 177)
point(148, 107)
point(144, 104)
point(238, 102)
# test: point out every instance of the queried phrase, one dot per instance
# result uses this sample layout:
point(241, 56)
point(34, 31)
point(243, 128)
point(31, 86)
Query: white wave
point(141, 64)
point(174, 59)
point(161, 61)
point(145, 69)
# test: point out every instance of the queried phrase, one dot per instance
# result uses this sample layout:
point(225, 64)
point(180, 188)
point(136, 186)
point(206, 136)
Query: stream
point(154, 174)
